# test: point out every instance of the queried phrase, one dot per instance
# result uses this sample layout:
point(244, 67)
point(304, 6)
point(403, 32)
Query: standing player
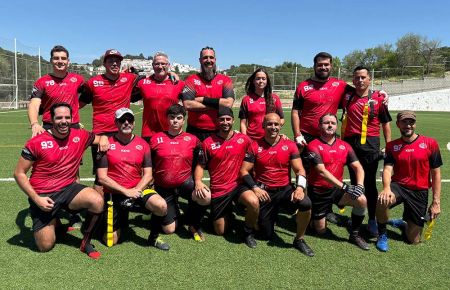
point(329, 156)
point(173, 154)
point(413, 159)
point(364, 114)
point(56, 87)
point(272, 159)
point(126, 171)
point(258, 102)
point(158, 92)
point(223, 155)
point(55, 157)
point(204, 93)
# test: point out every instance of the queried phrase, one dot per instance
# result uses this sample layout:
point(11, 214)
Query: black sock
point(381, 228)
point(356, 222)
point(155, 227)
point(195, 213)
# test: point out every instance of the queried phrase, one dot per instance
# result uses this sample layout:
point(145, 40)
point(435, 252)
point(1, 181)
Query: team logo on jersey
point(397, 147)
point(187, 138)
point(260, 149)
point(139, 147)
point(335, 84)
point(76, 139)
point(320, 147)
point(219, 82)
point(285, 148)
point(308, 87)
point(73, 79)
point(124, 79)
point(250, 101)
point(197, 82)
point(342, 147)
point(240, 140)
point(423, 145)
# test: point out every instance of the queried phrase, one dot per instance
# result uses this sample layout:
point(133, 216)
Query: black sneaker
point(356, 239)
point(301, 245)
point(250, 241)
point(158, 243)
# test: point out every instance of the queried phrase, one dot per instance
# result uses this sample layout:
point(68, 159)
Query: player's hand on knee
point(133, 193)
point(261, 194)
point(298, 194)
point(386, 197)
point(45, 203)
point(201, 191)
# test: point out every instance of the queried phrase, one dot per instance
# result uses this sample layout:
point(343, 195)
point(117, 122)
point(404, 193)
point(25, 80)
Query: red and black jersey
point(378, 113)
point(157, 98)
point(125, 162)
point(272, 162)
point(223, 159)
point(172, 157)
point(220, 86)
point(334, 157)
point(413, 161)
point(107, 96)
point(51, 90)
point(253, 108)
point(56, 161)
point(314, 99)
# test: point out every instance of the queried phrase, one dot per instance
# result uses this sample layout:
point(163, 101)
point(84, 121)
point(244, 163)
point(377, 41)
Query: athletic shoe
point(250, 241)
point(158, 243)
point(397, 223)
point(89, 249)
point(372, 228)
point(337, 219)
point(196, 234)
point(356, 239)
point(382, 243)
point(301, 245)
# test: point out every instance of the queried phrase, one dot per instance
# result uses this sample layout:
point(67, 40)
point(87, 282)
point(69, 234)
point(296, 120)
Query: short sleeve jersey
point(172, 158)
point(253, 108)
point(315, 99)
point(56, 161)
point(334, 157)
point(157, 98)
point(220, 86)
point(378, 113)
point(272, 163)
point(51, 90)
point(107, 96)
point(126, 161)
point(223, 160)
point(413, 161)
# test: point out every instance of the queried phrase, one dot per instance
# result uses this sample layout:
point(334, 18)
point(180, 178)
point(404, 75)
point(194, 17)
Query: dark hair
point(58, 48)
point(176, 109)
point(57, 105)
point(361, 67)
point(207, 48)
point(328, 114)
point(250, 88)
point(323, 55)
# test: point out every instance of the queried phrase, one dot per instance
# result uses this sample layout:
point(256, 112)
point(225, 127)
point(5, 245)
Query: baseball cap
point(112, 52)
point(122, 111)
point(402, 115)
point(225, 111)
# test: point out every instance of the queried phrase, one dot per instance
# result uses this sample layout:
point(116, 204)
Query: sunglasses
point(130, 119)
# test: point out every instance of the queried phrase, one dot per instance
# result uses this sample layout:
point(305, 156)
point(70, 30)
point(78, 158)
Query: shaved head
point(274, 117)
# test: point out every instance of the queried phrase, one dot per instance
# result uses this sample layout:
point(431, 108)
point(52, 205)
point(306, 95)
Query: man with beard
point(328, 156)
point(223, 154)
point(364, 114)
point(173, 154)
point(126, 171)
point(266, 171)
point(410, 162)
point(204, 93)
point(158, 93)
point(54, 157)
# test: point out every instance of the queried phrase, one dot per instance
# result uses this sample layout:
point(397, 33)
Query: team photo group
point(255, 171)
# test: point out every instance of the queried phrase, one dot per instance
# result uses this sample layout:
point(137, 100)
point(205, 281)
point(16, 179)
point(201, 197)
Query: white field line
point(14, 111)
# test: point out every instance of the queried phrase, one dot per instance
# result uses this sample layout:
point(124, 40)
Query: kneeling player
point(328, 156)
point(125, 171)
point(223, 154)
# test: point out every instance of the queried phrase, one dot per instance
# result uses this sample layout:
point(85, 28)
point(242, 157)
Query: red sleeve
point(38, 90)
point(294, 153)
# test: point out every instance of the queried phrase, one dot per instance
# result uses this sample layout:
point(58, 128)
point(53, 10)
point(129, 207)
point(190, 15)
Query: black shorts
point(415, 203)
point(199, 133)
point(62, 200)
point(171, 196)
point(322, 200)
point(96, 156)
point(223, 205)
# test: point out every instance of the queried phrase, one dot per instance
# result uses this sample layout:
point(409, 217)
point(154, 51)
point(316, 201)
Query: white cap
point(122, 111)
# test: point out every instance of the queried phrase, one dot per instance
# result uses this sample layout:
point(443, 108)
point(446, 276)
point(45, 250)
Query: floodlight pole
point(373, 77)
point(39, 61)
point(15, 74)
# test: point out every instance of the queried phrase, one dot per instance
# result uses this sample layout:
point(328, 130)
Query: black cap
point(225, 111)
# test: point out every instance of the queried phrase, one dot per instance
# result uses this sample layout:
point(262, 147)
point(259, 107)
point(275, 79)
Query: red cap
point(112, 52)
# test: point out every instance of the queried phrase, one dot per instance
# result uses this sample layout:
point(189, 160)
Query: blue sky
point(262, 32)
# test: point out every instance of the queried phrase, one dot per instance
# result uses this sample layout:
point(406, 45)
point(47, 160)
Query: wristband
point(344, 187)
point(301, 181)
point(249, 181)
point(211, 102)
